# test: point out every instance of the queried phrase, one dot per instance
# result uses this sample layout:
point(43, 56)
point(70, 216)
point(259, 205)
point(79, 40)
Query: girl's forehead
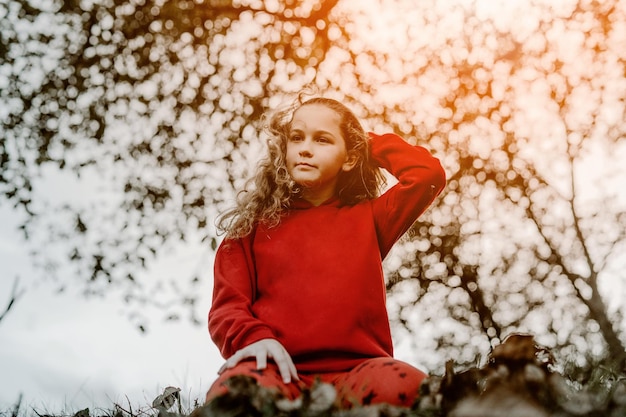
point(315, 113)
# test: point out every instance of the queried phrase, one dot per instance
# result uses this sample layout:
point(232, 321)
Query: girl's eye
point(323, 139)
point(295, 138)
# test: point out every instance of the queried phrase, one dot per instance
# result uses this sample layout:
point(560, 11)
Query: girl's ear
point(351, 161)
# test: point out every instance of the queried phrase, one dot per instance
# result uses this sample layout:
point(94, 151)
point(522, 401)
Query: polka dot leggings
point(375, 381)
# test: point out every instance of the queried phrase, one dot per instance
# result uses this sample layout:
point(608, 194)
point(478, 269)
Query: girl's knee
point(384, 380)
point(268, 378)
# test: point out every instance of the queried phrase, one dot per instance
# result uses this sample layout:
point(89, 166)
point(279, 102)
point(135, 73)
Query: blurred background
point(126, 126)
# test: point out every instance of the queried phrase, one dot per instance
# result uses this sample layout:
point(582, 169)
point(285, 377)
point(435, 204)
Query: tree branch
point(15, 295)
point(595, 304)
point(593, 274)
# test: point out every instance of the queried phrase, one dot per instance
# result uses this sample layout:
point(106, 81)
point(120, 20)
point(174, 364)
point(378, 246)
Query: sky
point(65, 352)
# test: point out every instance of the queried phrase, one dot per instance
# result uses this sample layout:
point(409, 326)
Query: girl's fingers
point(293, 370)
point(222, 369)
point(289, 368)
point(233, 360)
point(285, 365)
point(261, 351)
point(227, 365)
point(283, 368)
point(261, 360)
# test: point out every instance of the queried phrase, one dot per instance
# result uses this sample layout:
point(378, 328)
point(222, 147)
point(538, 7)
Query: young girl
point(299, 290)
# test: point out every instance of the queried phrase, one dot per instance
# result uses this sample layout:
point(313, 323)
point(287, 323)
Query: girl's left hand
point(261, 351)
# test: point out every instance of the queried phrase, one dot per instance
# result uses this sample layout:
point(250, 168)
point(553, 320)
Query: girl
point(298, 278)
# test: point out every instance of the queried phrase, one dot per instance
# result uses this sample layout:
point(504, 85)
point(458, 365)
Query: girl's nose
point(305, 152)
point(305, 148)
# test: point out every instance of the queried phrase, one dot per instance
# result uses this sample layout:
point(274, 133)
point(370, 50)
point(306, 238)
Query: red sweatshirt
point(315, 282)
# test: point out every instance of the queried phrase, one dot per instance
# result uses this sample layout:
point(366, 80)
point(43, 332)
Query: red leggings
point(377, 380)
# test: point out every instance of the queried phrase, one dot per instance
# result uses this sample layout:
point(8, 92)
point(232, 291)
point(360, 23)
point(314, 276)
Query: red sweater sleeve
point(232, 324)
point(420, 179)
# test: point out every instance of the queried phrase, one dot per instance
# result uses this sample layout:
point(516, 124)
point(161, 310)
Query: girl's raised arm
point(420, 179)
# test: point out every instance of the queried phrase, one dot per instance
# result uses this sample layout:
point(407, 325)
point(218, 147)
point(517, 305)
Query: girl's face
point(316, 152)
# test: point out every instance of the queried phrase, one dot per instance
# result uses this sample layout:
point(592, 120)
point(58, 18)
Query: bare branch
point(593, 274)
point(15, 295)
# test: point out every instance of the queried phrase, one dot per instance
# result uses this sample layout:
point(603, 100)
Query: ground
point(520, 379)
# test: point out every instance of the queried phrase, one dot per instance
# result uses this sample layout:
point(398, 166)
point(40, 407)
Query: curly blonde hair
point(268, 194)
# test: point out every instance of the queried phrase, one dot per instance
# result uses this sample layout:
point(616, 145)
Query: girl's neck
point(316, 199)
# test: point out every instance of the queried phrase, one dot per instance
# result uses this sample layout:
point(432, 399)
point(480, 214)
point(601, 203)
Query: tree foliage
point(523, 237)
point(162, 98)
point(162, 102)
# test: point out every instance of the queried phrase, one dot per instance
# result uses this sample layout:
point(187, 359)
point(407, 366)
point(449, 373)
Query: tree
point(523, 238)
point(159, 97)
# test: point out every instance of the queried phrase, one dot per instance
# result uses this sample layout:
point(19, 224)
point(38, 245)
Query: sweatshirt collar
point(299, 203)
